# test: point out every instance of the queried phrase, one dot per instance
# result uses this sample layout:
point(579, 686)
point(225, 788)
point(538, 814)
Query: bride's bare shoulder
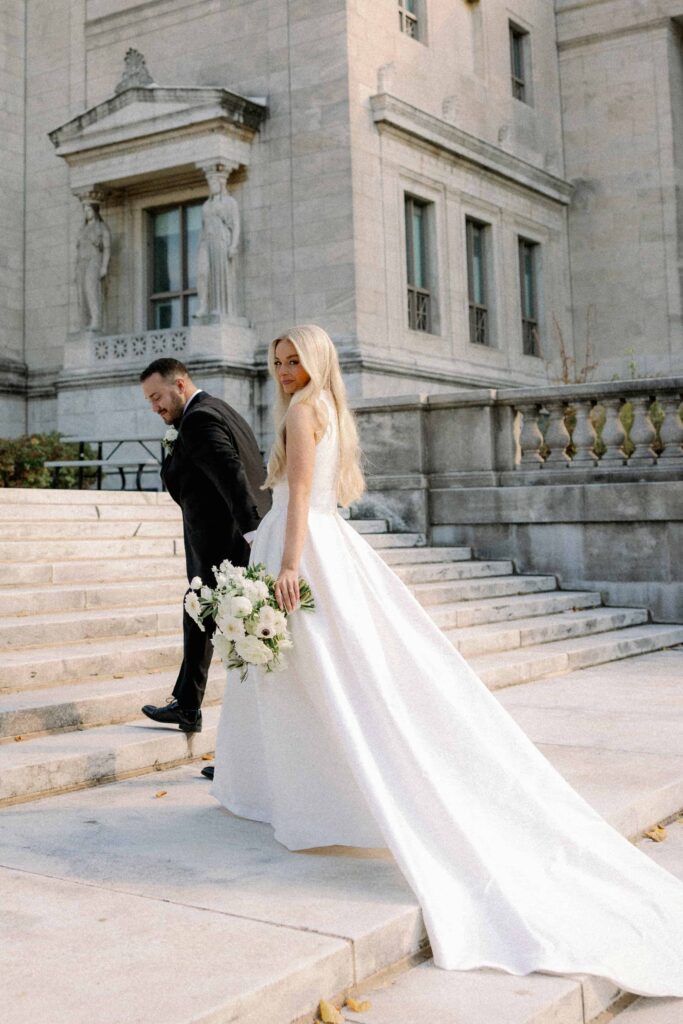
point(306, 418)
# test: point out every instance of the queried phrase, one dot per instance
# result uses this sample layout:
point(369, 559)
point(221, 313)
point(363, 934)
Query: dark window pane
point(419, 275)
point(166, 236)
point(193, 227)
point(166, 313)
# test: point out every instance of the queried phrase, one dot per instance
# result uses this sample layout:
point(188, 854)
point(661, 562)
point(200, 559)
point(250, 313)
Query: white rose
point(222, 645)
point(195, 583)
point(232, 628)
point(240, 607)
point(206, 593)
point(193, 609)
point(251, 650)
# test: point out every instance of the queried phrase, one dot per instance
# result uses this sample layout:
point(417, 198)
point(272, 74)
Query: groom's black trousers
point(197, 650)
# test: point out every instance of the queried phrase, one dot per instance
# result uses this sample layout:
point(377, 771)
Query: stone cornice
point(406, 120)
point(170, 110)
point(13, 377)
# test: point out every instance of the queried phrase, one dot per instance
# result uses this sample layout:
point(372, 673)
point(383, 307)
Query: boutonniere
point(169, 439)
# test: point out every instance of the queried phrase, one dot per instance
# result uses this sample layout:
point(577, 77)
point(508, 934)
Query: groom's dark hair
point(166, 368)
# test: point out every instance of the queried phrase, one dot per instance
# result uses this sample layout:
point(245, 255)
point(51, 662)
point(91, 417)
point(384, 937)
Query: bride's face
point(290, 372)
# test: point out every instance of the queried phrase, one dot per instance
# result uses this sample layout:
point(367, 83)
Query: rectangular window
point(417, 247)
point(174, 238)
point(528, 281)
point(407, 17)
point(477, 283)
point(519, 62)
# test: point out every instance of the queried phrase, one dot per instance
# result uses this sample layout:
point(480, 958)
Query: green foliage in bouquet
point(22, 458)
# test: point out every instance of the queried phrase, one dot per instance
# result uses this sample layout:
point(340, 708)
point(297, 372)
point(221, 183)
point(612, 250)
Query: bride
point(378, 733)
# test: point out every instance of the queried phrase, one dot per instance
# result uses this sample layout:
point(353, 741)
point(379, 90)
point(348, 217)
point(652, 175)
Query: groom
point(213, 469)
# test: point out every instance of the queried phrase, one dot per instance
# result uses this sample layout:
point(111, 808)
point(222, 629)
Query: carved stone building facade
point(454, 190)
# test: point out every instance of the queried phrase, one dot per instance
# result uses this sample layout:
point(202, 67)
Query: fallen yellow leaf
point(118, 676)
point(162, 792)
point(18, 739)
point(207, 757)
point(329, 1014)
point(356, 1006)
point(657, 834)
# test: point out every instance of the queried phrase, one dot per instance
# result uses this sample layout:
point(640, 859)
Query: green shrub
point(22, 458)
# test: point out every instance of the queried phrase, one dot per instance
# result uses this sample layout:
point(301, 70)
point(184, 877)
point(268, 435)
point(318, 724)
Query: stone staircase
point(90, 589)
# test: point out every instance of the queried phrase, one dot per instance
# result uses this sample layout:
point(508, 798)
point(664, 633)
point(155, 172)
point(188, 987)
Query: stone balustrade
point(633, 424)
point(141, 347)
point(581, 481)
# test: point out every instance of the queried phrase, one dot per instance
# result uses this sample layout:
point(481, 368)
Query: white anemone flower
point(230, 627)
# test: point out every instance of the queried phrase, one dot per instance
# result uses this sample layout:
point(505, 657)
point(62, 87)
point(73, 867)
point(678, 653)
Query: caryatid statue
point(218, 242)
point(93, 248)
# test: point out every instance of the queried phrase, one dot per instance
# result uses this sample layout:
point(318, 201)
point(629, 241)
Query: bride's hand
point(287, 589)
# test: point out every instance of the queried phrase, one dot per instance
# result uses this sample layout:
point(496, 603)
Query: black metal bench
point(101, 466)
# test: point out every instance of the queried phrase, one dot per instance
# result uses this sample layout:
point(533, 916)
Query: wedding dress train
point(378, 733)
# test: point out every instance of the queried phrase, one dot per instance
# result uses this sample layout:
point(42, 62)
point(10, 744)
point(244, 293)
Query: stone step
point(429, 594)
point(420, 556)
point(93, 570)
point(89, 659)
point(518, 633)
point(540, 661)
point(62, 761)
point(19, 601)
point(83, 705)
point(396, 540)
point(70, 627)
point(369, 525)
point(60, 513)
point(506, 608)
point(58, 496)
point(56, 550)
point(413, 575)
point(100, 529)
point(89, 843)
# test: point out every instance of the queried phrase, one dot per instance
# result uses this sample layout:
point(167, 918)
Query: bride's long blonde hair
point(319, 359)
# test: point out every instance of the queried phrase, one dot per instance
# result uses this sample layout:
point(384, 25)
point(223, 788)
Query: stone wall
point(621, 67)
point(12, 66)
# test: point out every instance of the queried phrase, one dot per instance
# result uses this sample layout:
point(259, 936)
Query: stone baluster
point(613, 433)
point(583, 436)
point(671, 431)
point(643, 433)
point(531, 438)
point(557, 436)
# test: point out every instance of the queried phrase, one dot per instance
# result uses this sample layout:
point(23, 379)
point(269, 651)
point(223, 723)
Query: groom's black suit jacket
point(214, 473)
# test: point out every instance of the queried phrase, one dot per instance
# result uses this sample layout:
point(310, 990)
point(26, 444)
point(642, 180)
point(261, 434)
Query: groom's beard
point(173, 413)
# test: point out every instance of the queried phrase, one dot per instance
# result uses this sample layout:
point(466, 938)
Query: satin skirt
point(378, 733)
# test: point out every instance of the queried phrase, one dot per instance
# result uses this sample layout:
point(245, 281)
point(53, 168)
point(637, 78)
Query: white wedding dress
point(378, 733)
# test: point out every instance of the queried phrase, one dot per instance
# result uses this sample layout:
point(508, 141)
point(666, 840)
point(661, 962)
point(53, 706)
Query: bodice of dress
point(325, 469)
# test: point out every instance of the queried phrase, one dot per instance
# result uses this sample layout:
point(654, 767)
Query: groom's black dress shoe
point(173, 714)
point(208, 771)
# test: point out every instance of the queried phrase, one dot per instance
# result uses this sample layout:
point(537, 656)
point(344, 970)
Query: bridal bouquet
point(250, 627)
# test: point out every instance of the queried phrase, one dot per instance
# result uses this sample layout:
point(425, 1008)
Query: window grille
point(419, 293)
point(407, 18)
point(477, 235)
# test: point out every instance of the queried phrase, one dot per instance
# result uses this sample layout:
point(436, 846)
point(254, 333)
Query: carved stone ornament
point(135, 71)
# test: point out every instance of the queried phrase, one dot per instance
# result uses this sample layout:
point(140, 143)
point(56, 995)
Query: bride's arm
point(300, 459)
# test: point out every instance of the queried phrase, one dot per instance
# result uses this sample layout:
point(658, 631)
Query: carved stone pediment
point(145, 131)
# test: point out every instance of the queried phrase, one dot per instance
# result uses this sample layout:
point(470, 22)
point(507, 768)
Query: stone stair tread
point(101, 740)
point(62, 496)
point(396, 540)
point(89, 614)
point(99, 702)
point(425, 555)
point(89, 570)
point(658, 631)
point(474, 569)
point(113, 645)
point(85, 597)
point(101, 530)
point(516, 603)
point(606, 614)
